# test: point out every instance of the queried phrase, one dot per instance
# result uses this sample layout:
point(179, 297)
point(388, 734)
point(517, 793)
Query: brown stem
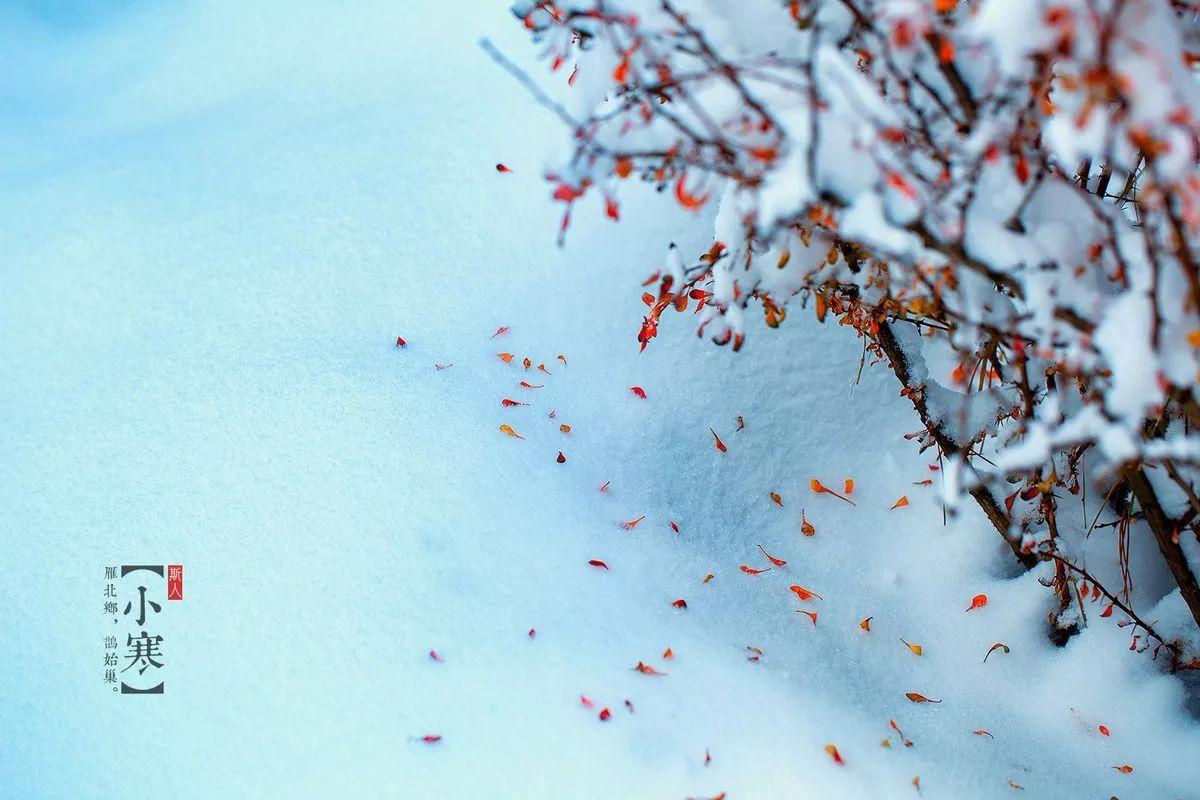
point(995, 512)
point(1164, 534)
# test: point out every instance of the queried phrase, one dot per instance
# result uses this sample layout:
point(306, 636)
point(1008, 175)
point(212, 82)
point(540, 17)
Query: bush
point(1006, 186)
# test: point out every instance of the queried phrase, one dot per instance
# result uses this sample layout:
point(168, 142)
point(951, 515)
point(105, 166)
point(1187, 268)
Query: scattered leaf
point(915, 648)
point(919, 698)
point(1103, 730)
point(866, 624)
point(752, 570)
point(804, 594)
point(433, 654)
point(565, 428)
point(717, 441)
point(508, 431)
point(598, 563)
point(510, 403)
point(903, 501)
point(633, 523)
point(848, 486)
point(993, 648)
point(707, 578)
point(505, 357)
point(646, 669)
point(821, 488)
point(978, 601)
point(605, 714)
point(586, 703)
point(982, 732)
point(806, 527)
point(638, 392)
point(834, 754)
point(680, 603)
point(400, 342)
point(778, 500)
point(561, 458)
point(502, 168)
point(810, 614)
point(431, 738)
point(779, 562)
point(1124, 769)
point(503, 329)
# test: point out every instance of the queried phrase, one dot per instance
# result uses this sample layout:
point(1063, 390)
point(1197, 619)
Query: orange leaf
point(667, 653)
point(810, 614)
point(982, 732)
point(717, 440)
point(866, 624)
point(689, 201)
point(623, 167)
point(509, 403)
point(1103, 730)
point(778, 500)
point(752, 570)
point(646, 669)
point(503, 329)
point(633, 522)
point(506, 357)
point(848, 486)
point(1124, 768)
point(804, 594)
point(508, 431)
point(919, 698)
point(502, 168)
point(915, 648)
point(707, 578)
point(903, 501)
point(978, 601)
point(806, 527)
point(565, 428)
point(779, 562)
point(834, 754)
point(821, 488)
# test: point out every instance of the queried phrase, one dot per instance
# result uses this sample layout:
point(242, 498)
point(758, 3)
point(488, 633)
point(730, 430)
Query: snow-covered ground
point(217, 220)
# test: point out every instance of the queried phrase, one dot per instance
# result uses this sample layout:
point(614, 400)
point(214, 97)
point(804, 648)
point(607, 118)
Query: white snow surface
point(218, 219)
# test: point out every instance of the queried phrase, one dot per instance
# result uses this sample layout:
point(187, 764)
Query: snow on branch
point(1012, 183)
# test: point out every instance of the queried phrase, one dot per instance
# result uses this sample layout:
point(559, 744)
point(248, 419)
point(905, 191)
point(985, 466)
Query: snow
point(217, 222)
